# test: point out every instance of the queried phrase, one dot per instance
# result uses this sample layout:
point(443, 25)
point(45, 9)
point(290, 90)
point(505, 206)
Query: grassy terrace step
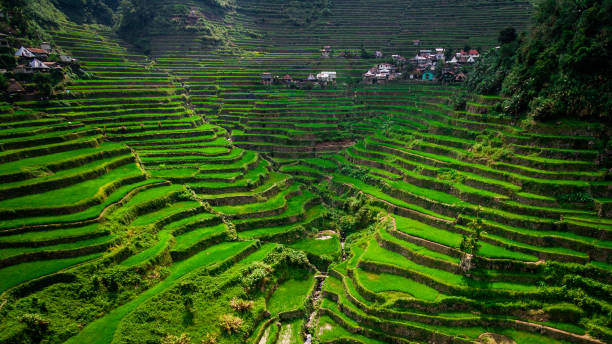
point(12, 256)
point(296, 208)
point(274, 205)
point(64, 178)
point(292, 231)
point(272, 186)
point(71, 199)
point(52, 237)
point(442, 280)
point(37, 166)
point(16, 274)
point(90, 214)
point(102, 330)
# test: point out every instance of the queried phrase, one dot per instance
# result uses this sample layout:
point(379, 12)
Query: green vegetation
point(164, 195)
point(547, 77)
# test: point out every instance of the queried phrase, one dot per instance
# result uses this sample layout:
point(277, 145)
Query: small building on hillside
point(311, 78)
point(369, 77)
point(416, 42)
point(67, 60)
point(460, 77)
point(427, 75)
point(379, 54)
point(327, 77)
point(52, 65)
point(14, 87)
point(37, 65)
point(287, 79)
point(326, 52)
point(266, 78)
point(192, 17)
point(46, 46)
point(386, 68)
point(40, 54)
point(398, 58)
point(24, 53)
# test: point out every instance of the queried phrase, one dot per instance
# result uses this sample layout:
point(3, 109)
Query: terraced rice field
point(136, 205)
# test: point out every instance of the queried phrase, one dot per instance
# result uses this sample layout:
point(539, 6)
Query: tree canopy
point(560, 69)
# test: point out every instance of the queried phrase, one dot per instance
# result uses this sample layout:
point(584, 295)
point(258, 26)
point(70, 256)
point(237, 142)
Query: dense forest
point(561, 68)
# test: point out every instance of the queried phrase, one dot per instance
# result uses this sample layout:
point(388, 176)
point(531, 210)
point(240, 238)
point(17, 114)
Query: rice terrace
point(305, 171)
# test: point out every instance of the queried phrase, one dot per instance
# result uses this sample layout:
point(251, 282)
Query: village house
point(14, 87)
point(398, 58)
point(426, 53)
point(52, 65)
point(266, 78)
point(427, 75)
point(311, 78)
point(24, 53)
point(37, 65)
point(379, 54)
point(192, 17)
point(287, 79)
point(467, 57)
point(460, 77)
point(46, 46)
point(326, 52)
point(67, 60)
point(40, 54)
point(381, 74)
point(327, 77)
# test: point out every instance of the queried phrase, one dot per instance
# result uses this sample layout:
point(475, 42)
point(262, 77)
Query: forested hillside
point(561, 68)
point(228, 171)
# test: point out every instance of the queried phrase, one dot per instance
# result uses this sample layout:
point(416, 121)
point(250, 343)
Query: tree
point(471, 242)
point(507, 35)
point(36, 326)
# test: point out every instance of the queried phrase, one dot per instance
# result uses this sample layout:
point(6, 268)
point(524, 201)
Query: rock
point(494, 338)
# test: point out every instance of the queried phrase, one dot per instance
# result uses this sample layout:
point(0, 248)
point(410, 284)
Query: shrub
point(255, 275)
point(182, 339)
point(241, 305)
point(564, 312)
point(36, 326)
point(459, 101)
point(574, 197)
point(210, 339)
point(230, 323)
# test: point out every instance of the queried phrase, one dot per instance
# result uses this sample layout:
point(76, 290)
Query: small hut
point(266, 78)
point(14, 87)
point(287, 79)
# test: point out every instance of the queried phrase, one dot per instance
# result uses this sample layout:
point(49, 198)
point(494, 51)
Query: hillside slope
point(173, 198)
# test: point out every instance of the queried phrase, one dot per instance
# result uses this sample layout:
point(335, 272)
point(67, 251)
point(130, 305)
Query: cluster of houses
point(427, 57)
point(31, 60)
point(381, 74)
point(424, 65)
point(324, 78)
